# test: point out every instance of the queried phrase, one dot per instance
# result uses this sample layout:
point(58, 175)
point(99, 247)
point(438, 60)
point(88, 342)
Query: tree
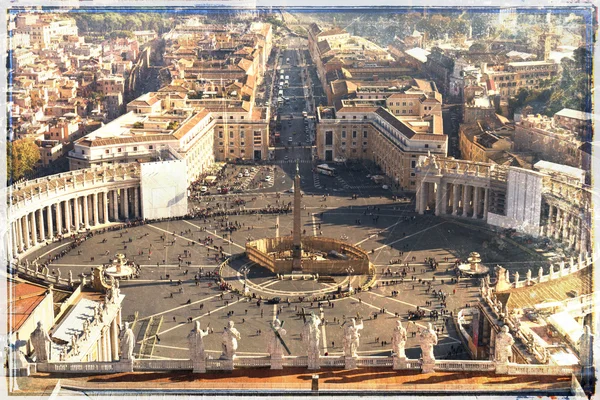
point(23, 154)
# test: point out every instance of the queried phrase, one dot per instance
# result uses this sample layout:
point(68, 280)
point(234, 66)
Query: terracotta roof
point(395, 122)
point(25, 298)
point(323, 47)
point(245, 64)
point(333, 31)
point(190, 124)
point(357, 109)
point(554, 290)
point(124, 140)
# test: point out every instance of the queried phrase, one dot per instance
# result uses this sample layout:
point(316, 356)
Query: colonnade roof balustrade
point(450, 166)
point(21, 193)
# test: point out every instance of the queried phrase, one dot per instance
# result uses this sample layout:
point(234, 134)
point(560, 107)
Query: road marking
point(214, 234)
point(183, 306)
point(182, 237)
point(179, 325)
point(406, 237)
point(378, 233)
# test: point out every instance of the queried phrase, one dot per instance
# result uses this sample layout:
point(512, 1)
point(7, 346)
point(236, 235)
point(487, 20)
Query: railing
point(216, 364)
point(252, 362)
point(295, 361)
point(162, 365)
point(329, 361)
point(79, 367)
point(464, 365)
point(537, 369)
point(374, 361)
point(302, 361)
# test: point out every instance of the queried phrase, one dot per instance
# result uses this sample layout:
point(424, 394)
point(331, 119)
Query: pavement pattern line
point(183, 306)
point(379, 231)
point(214, 234)
point(182, 237)
point(277, 226)
point(409, 236)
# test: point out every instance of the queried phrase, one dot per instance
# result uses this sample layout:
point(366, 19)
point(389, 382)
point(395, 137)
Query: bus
point(325, 169)
point(281, 72)
point(282, 78)
point(286, 84)
point(287, 77)
point(280, 94)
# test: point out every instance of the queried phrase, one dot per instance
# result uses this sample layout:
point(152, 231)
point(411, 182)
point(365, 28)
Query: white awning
point(566, 326)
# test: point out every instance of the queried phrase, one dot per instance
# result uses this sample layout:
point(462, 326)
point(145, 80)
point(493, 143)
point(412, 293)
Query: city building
point(560, 139)
point(374, 133)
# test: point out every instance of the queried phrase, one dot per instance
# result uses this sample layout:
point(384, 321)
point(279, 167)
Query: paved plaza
point(389, 230)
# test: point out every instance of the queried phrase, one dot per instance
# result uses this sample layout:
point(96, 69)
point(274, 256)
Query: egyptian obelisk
point(297, 241)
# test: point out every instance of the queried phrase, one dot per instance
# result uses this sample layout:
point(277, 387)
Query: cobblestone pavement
point(382, 227)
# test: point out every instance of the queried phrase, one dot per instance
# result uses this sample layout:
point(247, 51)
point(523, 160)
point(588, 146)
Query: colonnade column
point(86, 211)
point(126, 203)
point(95, 208)
point(59, 216)
point(136, 202)
point(486, 196)
point(77, 223)
point(50, 222)
point(476, 202)
point(25, 224)
point(41, 224)
point(33, 229)
point(105, 207)
point(439, 196)
point(550, 230)
point(113, 339)
point(565, 226)
point(455, 199)
point(422, 203)
point(465, 202)
point(557, 223)
point(16, 239)
point(68, 215)
point(115, 205)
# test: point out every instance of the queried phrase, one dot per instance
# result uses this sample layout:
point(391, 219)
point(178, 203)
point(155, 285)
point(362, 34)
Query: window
point(220, 143)
point(328, 138)
point(354, 117)
point(426, 146)
point(106, 151)
point(412, 174)
point(242, 135)
point(365, 134)
point(439, 146)
point(343, 134)
point(364, 143)
point(353, 134)
point(230, 135)
point(231, 143)
point(343, 117)
point(242, 143)
point(403, 104)
point(364, 117)
point(354, 150)
point(403, 111)
point(353, 143)
point(413, 163)
point(151, 147)
point(242, 117)
point(231, 117)
point(412, 183)
point(343, 143)
point(134, 148)
point(231, 151)
point(119, 150)
point(221, 135)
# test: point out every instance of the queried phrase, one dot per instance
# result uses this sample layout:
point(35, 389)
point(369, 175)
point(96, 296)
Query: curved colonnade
point(50, 207)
